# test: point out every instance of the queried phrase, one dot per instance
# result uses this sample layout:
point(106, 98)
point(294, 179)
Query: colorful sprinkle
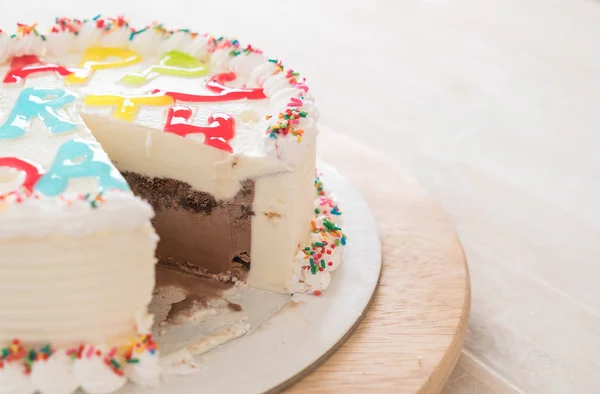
point(325, 228)
point(25, 30)
point(285, 124)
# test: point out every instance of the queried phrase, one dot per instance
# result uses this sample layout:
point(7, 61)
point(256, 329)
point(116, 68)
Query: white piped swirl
point(148, 41)
point(60, 43)
point(117, 38)
point(30, 44)
point(56, 375)
point(6, 47)
point(92, 373)
point(89, 35)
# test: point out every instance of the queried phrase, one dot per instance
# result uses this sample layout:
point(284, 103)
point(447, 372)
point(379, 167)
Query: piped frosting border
point(315, 262)
point(95, 368)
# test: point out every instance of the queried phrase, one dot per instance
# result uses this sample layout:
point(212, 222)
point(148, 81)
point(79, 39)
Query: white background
point(494, 105)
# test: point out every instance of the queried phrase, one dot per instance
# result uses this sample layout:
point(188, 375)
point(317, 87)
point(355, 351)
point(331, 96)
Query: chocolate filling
point(198, 234)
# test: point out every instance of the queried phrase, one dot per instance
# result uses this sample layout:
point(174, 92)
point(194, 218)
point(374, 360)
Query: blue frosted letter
point(42, 103)
point(79, 159)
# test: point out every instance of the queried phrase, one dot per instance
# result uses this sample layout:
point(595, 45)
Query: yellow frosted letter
point(126, 106)
point(97, 58)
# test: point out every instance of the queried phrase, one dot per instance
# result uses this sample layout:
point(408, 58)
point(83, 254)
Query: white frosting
point(6, 47)
point(197, 47)
point(245, 64)
point(60, 43)
point(220, 59)
point(177, 41)
point(116, 38)
point(283, 210)
point(148, 41)
point(89, 35)
point(31, 44)
point(275, 84)
point(39, 217)
point(111, 272)
point(13, 379)
point(55, 375)
point(261, 73)
point(93, 375)
point(91, 370)
point(146, 373)
point(143, 322)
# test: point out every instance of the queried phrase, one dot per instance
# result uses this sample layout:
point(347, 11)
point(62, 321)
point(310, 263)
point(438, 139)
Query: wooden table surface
point(493, 106)
point(411, 336)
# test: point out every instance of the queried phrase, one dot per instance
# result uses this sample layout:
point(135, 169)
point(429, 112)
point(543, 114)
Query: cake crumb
point(234, 307)
point(294, 304)
point(162, 332)
point(273, 215)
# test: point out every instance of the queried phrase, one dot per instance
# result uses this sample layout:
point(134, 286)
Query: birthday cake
point(121, 148)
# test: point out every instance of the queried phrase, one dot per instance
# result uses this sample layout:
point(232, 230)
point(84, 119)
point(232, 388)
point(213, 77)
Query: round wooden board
point(411, 336)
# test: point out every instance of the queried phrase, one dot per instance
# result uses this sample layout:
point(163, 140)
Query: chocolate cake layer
point(198, 234)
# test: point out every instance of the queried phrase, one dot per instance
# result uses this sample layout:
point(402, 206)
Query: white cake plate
point(278, 339)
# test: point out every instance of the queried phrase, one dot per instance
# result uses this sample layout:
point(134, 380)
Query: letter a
point(80, 159)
